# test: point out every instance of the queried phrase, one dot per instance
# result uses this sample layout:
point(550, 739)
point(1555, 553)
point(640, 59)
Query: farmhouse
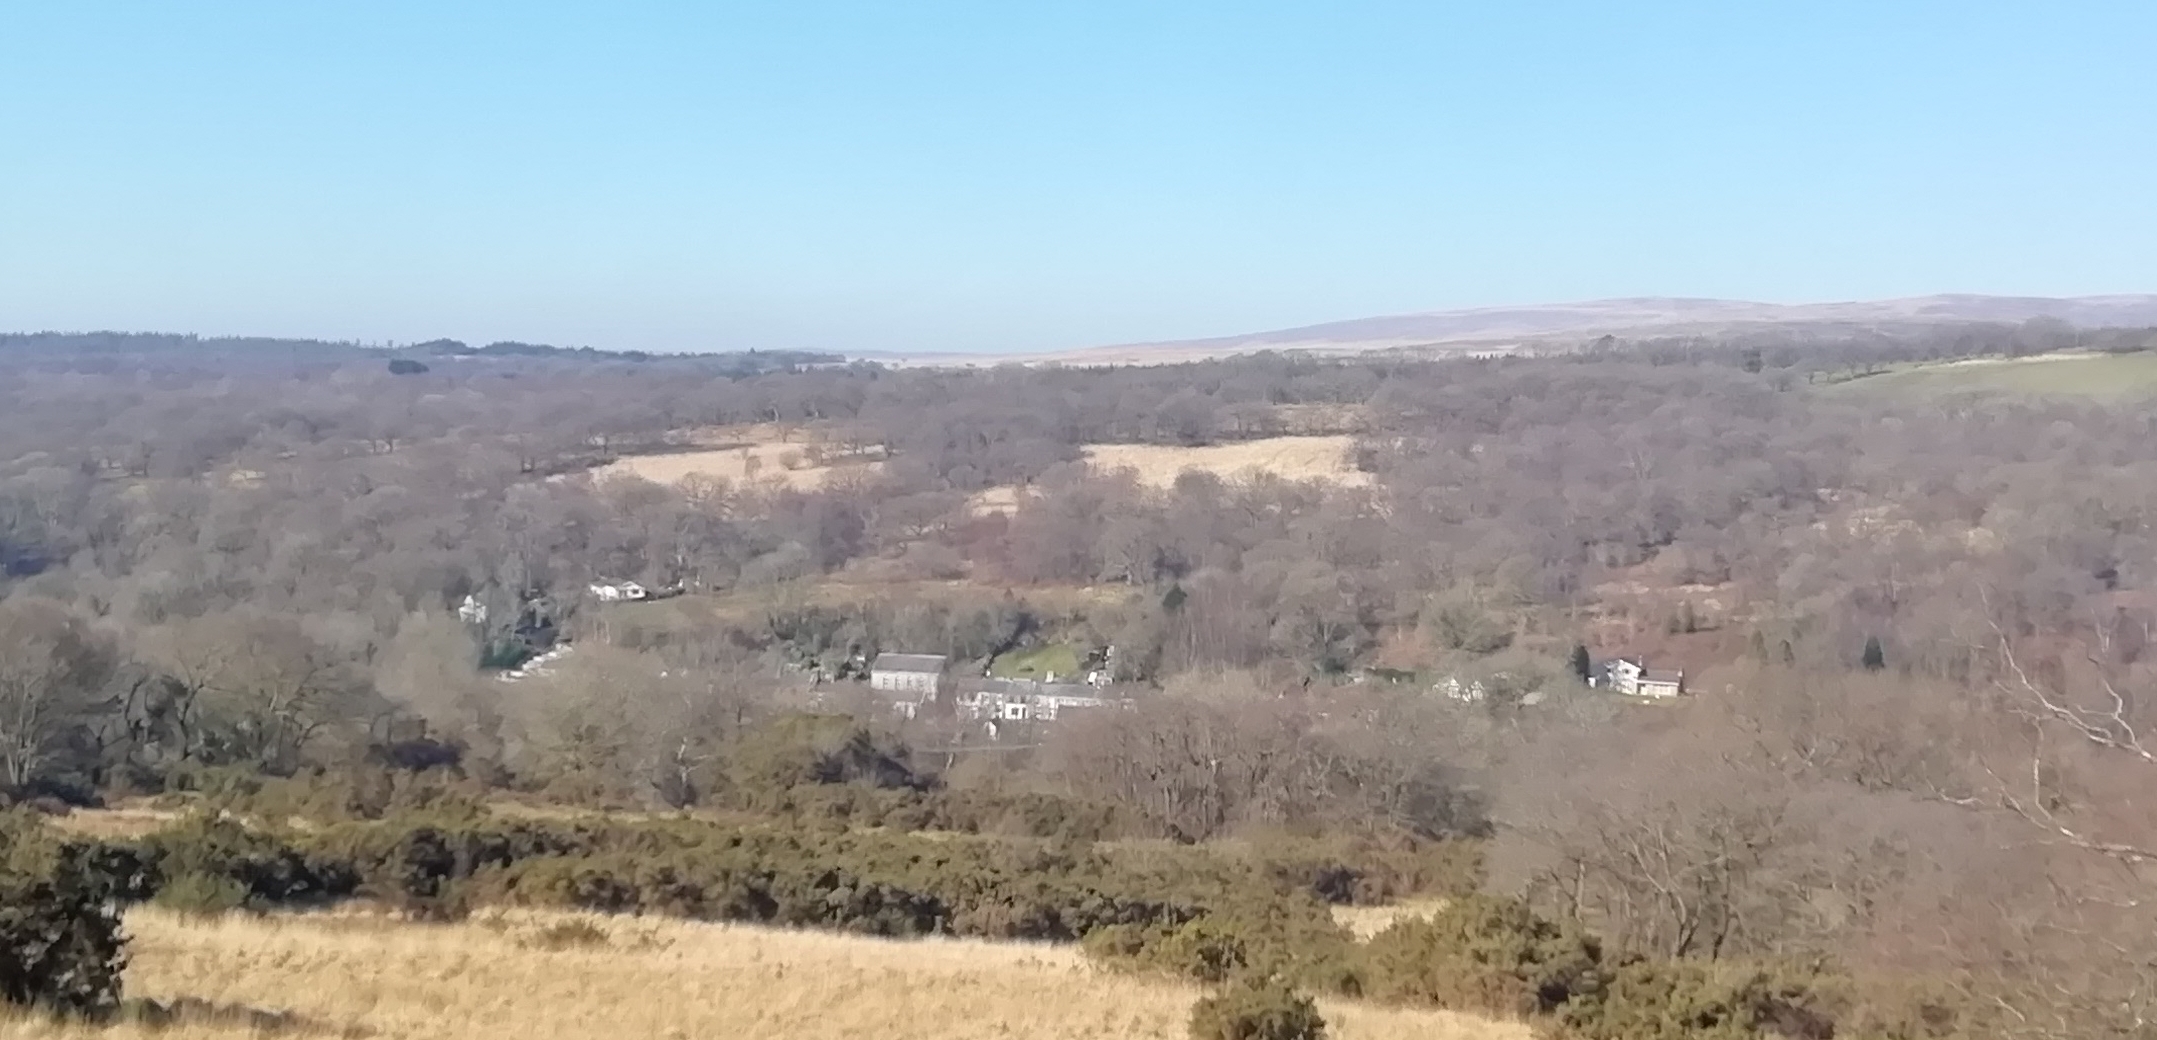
point(1020, 700)
point(1632, 677)
point(920, 675)
point(615, 592)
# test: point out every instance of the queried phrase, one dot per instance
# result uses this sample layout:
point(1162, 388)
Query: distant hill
point(1511, 328)
point(66, 350)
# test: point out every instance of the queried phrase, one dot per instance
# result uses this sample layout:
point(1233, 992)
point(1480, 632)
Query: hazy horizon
point(975, 178)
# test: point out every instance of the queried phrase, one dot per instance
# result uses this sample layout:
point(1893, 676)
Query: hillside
point(1507, 328)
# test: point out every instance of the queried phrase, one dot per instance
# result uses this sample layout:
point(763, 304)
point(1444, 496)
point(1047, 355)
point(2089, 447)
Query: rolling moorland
point(1564, 326)
point(271, 613)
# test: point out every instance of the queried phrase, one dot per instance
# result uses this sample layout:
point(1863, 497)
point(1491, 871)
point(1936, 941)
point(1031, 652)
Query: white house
point(472, 611)
point(1021, 700)
point(918, 675)
point(1632, 677)
point(616, 592)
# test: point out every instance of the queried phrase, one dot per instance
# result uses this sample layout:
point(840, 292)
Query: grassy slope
point(656, 978)
point(1037, 663)
point(2092, 375)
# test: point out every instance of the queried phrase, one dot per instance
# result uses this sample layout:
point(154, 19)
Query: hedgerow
point(1214, 915)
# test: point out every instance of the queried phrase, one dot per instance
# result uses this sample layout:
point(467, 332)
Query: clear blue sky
point(1029, 174)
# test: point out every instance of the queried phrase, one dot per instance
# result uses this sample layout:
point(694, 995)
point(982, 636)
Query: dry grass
point(353, 976)
point(1314, 457)
point(801, 460)
point(1367, 921)
point(121, 821)
point(1293, 458)
point(764, 454)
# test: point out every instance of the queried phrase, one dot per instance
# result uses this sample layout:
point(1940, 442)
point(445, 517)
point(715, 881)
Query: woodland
point(1917, 631)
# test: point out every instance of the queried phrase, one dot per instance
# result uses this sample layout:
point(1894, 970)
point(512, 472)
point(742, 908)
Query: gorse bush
point(1288, 936)
point(364, 791)
point(201, 895)
point(1256, 1008)
point(61, 948)
point(269, 870)
point(1693, 1000)
point(1484, 954)
point(1367, 871)
point(864, 881)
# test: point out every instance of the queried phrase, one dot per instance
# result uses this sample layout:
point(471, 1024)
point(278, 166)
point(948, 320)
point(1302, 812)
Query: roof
point(1662, 675)
point(908, 663)
point(1024, 688)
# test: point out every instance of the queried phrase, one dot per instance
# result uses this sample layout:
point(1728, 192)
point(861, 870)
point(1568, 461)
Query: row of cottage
point(1632, 677)
point(1626, 676)
point(915, 680)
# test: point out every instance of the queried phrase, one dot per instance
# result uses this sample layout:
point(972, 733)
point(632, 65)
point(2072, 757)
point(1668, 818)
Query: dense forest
point(1916, 629)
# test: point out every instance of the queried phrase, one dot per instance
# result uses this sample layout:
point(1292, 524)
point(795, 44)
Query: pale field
point(353, 976)
point(131, 820)
point(1367, 921)
point(762, 454)
point(1292, 458)
point(1312, 457)
point(789, 458)
point(751, 464)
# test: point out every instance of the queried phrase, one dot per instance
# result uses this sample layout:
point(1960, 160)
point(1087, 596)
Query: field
point(2083, 375)
point(531, 978)
point(796, 459)
point(754, 603)
point(1292, 458)
point(754, 454)
point(1059, 659)
point(1314, 457)
point(1367, 921)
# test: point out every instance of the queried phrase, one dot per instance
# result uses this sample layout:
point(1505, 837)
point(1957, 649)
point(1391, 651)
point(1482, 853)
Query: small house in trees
point(918, 675)
point(1660, 683)
point(1632, 677)
point(616, 592)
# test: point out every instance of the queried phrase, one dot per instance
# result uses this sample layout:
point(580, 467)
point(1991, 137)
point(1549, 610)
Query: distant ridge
point(1512, 328)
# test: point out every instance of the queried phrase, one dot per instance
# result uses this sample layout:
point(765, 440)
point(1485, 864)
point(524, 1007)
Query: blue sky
point(1032, 174)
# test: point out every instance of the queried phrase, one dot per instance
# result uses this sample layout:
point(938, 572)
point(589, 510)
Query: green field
point(1038, 662)
point(2081, 375)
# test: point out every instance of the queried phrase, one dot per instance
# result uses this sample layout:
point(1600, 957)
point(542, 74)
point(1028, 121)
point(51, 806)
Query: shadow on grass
point(193, 1011)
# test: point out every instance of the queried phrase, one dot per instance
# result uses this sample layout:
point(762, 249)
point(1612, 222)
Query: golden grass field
point(1309, 457)
point(1324, 457)
point(755, 463)
point(762, 454)
point(1367, 921)
point(349, 975)
point(799, 460)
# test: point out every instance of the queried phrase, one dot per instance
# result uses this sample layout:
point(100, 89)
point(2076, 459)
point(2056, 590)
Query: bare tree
point(52, 671)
